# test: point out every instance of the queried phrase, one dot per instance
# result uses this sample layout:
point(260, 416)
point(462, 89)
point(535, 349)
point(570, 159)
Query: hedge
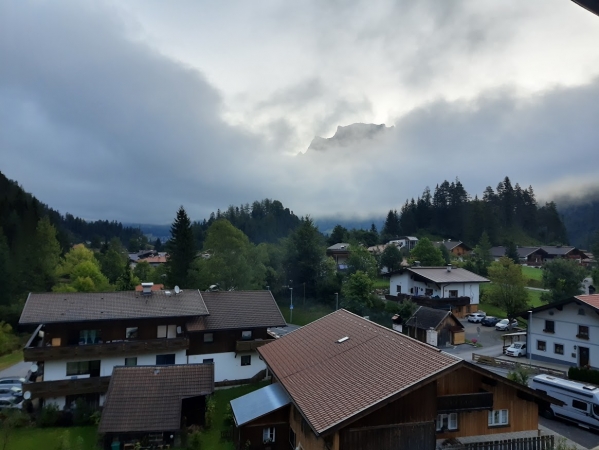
point(584, 375)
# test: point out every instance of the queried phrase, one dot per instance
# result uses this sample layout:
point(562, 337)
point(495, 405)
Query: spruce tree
point(181, 248)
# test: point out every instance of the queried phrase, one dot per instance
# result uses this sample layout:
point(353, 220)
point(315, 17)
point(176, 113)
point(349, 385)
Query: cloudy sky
point(127, 109)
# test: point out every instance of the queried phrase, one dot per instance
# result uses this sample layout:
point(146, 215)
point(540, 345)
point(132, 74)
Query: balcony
point(250, 346)
point(121, 348)
point(465, 402)
point(60, 388)
point(431, 302)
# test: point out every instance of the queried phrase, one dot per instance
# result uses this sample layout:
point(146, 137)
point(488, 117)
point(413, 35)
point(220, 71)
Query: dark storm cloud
point(120, 130)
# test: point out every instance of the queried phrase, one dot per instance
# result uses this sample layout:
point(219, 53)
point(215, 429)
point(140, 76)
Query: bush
point(49, 416)
point(210, 412)
point(584, 375)
point(194, 441)
point(229, 420)
point(83, 414)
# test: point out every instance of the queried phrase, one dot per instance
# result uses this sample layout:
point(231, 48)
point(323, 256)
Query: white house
point(566, 332)
point(449, 288)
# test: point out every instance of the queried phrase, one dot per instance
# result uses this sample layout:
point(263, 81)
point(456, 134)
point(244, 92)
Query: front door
point(583, 356)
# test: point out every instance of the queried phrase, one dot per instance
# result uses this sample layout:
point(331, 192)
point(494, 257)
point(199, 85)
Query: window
point(453, 294)
point(91, 368)
point(131, 361)
point(498, 417)
point(292, 437)
point(268, 435)
point(166, 331)
point(208, 338)
point(558, 349)
point(163, 360)
point(89, 337)
point(428, 292)
point(583, 332)
point(549, 326)
point(208, 361)
point(398, 288)
point(583, 406)
point(131, 333)
point(541, 346)
point(581, 312)
point(246, 335)
point(246, 360)
point(447, 422)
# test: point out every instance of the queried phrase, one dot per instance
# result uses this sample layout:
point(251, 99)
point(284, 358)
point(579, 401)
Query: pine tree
point(182, 249)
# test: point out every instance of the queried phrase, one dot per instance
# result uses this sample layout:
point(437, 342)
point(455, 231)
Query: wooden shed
point(435, 326)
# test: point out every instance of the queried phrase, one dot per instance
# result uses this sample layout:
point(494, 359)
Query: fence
point(531, 443)
point(507, 364)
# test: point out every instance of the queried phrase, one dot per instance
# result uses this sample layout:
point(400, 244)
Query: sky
point(125, 110)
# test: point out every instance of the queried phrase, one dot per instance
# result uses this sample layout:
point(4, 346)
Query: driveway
point(488, 337)
point(19, 370)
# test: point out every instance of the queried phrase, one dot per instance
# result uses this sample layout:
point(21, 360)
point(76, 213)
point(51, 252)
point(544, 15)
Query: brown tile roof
point(330, 381)
point(155, 287)
point(81, 306)
point(591, 300)
point(154, 259)
point(148, 398)
point(238, 309)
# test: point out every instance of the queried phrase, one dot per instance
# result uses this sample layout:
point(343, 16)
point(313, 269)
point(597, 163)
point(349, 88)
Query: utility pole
point(291, 307)
point(336, 301)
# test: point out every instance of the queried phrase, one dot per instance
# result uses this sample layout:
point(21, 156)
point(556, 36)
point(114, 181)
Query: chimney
point(449, 267)
point(146, 288)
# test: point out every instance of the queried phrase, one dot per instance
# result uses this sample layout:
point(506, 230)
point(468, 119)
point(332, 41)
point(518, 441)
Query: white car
point(476, 317)
point(516, 349)
point(504, 325)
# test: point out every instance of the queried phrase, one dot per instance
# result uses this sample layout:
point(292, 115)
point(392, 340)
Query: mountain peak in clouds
point(356, 133)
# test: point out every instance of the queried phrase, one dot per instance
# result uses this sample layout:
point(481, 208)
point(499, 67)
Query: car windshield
point(503, 321)
point(517, 345)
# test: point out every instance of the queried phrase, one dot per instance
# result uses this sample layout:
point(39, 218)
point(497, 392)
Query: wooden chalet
point(456, 248)
point(353, 384)
point(433, 326)
point(340, 253)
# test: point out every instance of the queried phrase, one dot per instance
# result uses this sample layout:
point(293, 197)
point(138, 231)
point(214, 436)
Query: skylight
point(343, 339)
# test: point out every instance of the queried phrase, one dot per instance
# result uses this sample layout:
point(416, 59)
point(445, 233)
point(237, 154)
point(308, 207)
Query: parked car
point(505, 324)
point(11, 391)
point(11, 381)
point(490, 321)
point(516, 349)
point(11, 403)
point(476, 317)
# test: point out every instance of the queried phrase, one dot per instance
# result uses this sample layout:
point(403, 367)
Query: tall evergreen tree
point(391, 228)
point(182, 250)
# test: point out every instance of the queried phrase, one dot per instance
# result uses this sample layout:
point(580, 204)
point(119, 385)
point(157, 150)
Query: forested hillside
point(507, 214)
point(581, 219)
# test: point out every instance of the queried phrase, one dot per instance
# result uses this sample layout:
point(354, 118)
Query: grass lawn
point(532, 273)
point(11, 359)
point(534, 300)
point(211, 438)
point(49, 438)
point(381, 283)
point(303, 315)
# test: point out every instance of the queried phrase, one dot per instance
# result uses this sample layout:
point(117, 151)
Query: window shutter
point(161, 332)
point(490, 418)
point(172, 331)
point(453, 421)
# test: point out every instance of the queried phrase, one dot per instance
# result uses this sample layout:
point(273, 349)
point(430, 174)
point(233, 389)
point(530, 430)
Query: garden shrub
point(584, 375)
point(49, 416)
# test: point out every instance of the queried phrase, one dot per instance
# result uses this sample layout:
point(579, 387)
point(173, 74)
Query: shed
point(435, 326)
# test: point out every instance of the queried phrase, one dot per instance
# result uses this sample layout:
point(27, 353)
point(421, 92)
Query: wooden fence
point(531, 443)
point(510, 365)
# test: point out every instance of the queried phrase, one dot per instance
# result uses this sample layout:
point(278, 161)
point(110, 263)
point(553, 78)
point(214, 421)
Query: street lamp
point(336, 301)
point(291, 306)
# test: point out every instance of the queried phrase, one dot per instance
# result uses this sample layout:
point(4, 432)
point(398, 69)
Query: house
point(565, 332)
point(456, 248)
point(80, 337)
point(407, 242)
point(340, 253)
point(529, 256)
point(453, 289)
point(353, 384)
point(563, 251)
point(154, 403)
point(433, 326)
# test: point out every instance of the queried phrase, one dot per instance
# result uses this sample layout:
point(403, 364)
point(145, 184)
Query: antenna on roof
point(177, 289)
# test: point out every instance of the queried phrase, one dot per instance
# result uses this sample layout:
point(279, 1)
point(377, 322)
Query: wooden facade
point(253, 432)
point(227, 341)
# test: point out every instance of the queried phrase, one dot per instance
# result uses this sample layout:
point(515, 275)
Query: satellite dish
point(27, 395)
point(177, 289)
point(34, 367)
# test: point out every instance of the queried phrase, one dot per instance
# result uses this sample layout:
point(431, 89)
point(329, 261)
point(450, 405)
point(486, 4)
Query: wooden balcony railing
point(122, 348)
point(432, 302)
point(250, 346)
point(465, 402)
point(60, 388)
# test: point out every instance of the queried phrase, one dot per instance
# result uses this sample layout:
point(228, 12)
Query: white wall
point(566, 329)
point(58, 401)
point(228, 367)
point(471, 290)
point(57, 370)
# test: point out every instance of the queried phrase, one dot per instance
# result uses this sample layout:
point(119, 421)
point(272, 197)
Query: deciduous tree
point(361, 259)
point(391, 258)
point(563, 277)
point(426, 253)
point(357, 292)
point(507, 289)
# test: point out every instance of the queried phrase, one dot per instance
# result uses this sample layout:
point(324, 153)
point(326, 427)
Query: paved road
point(18, 370)
point(584, 438)
point(536, 289)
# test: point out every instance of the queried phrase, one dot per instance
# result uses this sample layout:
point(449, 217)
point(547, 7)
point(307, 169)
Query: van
point(581, 401)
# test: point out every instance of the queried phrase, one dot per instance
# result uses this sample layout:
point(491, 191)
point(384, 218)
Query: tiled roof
point(82, 306)
point(331, 381)
point(450, 245)
point(155, 287)
point(442, 275)
point(523, 252)
point(591, 300)
point(425, 318)
point(557, 250)
point(148, 398)
point(340, 247)
point(238, 309)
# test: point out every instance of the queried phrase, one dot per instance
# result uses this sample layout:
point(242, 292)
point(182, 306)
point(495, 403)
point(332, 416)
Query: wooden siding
point(223, 341)
point(253, 431)
point(407, 436)
point(60, 388)
point(523, 415)
point(307, 438)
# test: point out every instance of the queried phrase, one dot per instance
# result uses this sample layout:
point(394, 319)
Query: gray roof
point(84, 306)
point(557, 250)
point(426, 318)
point(523, 252)
point(259, 403)
point(149, 398)
point(442, 275)
point(340, 247)
point(450, 245)
point(238, 309)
